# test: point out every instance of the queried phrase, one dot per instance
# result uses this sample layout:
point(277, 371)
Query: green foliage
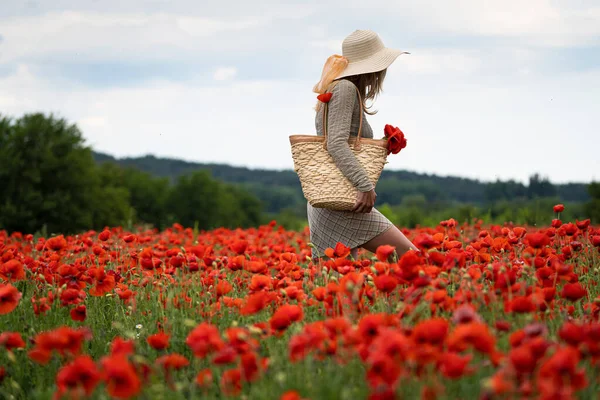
point(48, 177)
point(147, 195)
point(50, 181)
point(239, 208)
point(198, 199)
point(592, 208)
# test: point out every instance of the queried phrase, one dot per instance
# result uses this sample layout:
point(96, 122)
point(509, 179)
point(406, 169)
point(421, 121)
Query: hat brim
point(377, 62)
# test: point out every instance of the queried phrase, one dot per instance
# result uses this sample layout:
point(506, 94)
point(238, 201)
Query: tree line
point(280, 190)
point(49, 180)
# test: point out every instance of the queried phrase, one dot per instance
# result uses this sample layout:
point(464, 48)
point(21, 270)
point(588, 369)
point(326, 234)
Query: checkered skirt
point(328, 227)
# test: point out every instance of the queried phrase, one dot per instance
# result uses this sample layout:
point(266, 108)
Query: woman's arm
point(341, 107)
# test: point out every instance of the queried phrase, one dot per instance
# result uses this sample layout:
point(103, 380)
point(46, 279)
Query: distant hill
point(281, 190)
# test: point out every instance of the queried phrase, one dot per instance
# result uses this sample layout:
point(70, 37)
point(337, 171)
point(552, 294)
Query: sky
point(491, 90)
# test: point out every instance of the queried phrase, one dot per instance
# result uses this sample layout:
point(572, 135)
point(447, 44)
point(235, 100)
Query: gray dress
point(328, 227)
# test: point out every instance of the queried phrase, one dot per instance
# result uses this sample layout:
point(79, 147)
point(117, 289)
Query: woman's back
point(343, 106)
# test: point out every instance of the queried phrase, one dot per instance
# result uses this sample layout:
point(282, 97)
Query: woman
point(364, 63)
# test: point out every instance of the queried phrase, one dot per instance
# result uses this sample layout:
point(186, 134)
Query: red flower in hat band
point(325, 97)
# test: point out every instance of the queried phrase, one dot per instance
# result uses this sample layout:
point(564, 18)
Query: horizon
point(494, 91)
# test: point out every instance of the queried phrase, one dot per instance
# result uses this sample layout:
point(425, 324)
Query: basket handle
point(325, 112)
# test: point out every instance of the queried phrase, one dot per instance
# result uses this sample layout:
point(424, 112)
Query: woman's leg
point(392, 237)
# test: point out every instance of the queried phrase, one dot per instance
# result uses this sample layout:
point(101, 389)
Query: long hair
point(369, 85)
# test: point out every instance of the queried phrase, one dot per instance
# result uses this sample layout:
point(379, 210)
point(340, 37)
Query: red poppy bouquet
point(395, 139)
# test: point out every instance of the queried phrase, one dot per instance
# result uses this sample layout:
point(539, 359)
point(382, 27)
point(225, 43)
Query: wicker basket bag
point(323, 184)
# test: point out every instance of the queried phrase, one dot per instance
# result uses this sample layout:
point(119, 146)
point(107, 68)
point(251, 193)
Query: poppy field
point(480, 312)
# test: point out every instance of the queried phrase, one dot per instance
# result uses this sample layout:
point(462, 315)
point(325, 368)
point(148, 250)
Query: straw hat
point(366, 53)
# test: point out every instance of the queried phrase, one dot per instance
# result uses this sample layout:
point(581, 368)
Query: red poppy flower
point(340, 251)
point(11, 340)
point(572, 333)
point(231, 382)
point(259, 282)
point(64, 340)
point(129, 238)
point(158, 341)
point(121, 379)
point(537, 240)
point(522, 304)
point(249, 364)
point(12, 271)
point(226, 355)
point(432, 331)
point(285, 316)
point(104, 235)
point(383, 371)
point(56, 243)
point(395, 139)
point(80, 374)
point(290, 395)
point(255, 303)
point(172, 361)
point(103, 282)
point(370, 325)
point(596, 240)
point(453, 365)
point(79, 313)
point(385, 283)
point(573, 291)
point(204, 339)
point(522, 359)
point(325, 97)
point(204, 378)
point(9, 298)
point(223, 287)
point(502, 326)
point(570, 229)
point(384, 252)
point(122, 347)
point(583, 225)
point(559, 208)
point(239, 246)
point(425, 241)
point(474, 334)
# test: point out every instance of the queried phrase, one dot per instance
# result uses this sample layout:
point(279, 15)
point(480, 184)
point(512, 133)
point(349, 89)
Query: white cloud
point(224, 73)
point(95, 36)
point(439, 61)
point(535, 22)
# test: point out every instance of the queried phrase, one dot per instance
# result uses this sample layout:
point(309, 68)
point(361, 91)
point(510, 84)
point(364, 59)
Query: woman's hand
point(365, 201)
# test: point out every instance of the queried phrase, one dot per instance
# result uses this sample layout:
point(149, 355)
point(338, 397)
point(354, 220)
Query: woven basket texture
point(323, 184)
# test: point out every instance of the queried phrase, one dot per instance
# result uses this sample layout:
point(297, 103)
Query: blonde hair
point(369, 85)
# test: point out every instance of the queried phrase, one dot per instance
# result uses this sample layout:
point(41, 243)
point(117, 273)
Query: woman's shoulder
point(344, 89)
point(343, 86)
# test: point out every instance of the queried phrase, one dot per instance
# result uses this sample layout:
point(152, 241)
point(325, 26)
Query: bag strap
point(325, 112)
